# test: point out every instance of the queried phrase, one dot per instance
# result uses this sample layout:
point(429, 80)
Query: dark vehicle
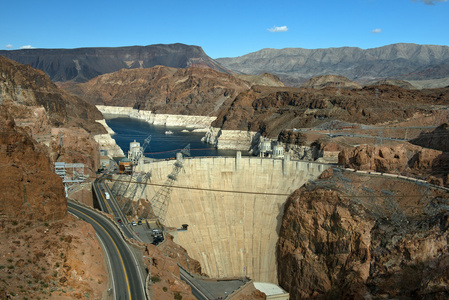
point(157, 240)
point(119, 220)
point(139, 222)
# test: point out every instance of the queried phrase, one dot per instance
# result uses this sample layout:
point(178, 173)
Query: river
point(162, 145)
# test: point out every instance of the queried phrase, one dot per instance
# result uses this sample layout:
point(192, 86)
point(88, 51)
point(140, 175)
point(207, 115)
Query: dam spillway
point(233, 223)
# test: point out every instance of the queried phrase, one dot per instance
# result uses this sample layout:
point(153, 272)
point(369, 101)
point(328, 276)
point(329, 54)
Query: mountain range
point(422, 65)
point(82, 64)
point(295, 66)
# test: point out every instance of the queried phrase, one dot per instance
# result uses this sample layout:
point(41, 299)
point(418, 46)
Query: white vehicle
point(106, 194)
point(134, 223)
point(156, 232)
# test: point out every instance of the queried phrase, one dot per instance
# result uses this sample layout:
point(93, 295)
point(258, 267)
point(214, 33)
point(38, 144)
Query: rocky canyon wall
point(350, 236)
point(158, 119)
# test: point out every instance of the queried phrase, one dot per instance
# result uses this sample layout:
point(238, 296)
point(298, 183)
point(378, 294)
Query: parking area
point(147, 231)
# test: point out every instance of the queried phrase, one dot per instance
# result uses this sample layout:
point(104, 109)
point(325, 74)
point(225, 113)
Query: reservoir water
point(162, 145)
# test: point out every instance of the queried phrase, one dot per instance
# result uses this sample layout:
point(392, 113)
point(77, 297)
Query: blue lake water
point(162, 145)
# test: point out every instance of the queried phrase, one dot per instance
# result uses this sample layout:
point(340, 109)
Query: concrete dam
point(231, 233)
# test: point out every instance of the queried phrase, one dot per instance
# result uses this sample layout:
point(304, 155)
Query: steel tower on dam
point(234, 208)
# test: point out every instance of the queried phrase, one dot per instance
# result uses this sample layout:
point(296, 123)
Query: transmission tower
point(159, 202)
point(141, 182)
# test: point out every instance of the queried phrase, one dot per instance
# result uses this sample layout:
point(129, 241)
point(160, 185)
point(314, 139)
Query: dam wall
point(233, 223)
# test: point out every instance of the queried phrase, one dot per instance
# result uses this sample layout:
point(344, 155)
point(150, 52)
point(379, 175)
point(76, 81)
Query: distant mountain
point(295, 66)
point(82, 64)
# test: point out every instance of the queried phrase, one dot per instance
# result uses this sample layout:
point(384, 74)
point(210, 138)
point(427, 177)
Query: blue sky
point(223, 28)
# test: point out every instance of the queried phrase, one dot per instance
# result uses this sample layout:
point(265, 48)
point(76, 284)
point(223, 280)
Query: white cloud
point(377, 30)
point(27, 47)
point(430, 2)
point(9, 46)
point(278, 29)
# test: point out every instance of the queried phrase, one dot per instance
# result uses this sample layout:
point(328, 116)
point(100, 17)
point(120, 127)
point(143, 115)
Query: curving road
point(111, 206)
point(127, 278)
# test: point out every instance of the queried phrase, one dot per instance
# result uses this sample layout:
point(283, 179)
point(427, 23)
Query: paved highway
point(111, 207)
point(128, 280)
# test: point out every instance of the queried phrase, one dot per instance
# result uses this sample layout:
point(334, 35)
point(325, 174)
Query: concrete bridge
point(233, 223)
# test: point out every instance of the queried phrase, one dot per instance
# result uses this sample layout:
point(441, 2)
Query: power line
point(245, 192)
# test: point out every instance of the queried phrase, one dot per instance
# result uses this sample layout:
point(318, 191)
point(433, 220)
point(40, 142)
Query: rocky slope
point(265, 79)
point(30, 189)
point(82, 64)
point(400, 83)
point(269, 110)
point(23, 87)
point(437, 139)
point(163, 90)
point(45, 253)
point(323, 81)
point(404, 159)
point(47, 112)
point(348, 236)
point(296, 65)
point(54, 260)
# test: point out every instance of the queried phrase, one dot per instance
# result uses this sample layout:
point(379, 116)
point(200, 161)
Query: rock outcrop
point(405, 159)
point(400, 83)
point(30, 189)
point(24, 89)
point(324, 81)
point(342, 238)
point(50, 115)
point(163, 262)
point(265, 79)
point(436, 139)
point(269, 110)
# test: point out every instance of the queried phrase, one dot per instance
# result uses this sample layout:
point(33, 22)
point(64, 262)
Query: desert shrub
point(178, 296)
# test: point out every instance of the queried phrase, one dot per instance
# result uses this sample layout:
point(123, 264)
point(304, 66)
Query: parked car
point(156, 232)
point(157, 240)
point(139, 222)
point(134, 223)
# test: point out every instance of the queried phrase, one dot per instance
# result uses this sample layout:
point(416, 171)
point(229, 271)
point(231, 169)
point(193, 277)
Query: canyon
point(318, 230)
point(48, 253)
